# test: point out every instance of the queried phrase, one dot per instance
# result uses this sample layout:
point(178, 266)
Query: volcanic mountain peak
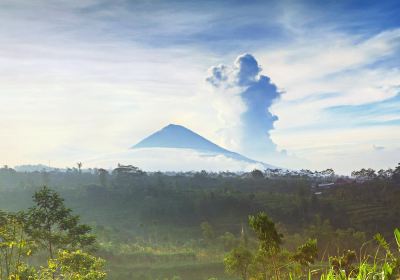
point(178, 136)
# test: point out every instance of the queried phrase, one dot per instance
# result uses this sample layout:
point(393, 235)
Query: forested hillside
point(162, 225)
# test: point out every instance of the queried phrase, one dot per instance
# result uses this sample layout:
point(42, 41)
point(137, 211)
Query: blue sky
point(81, 78)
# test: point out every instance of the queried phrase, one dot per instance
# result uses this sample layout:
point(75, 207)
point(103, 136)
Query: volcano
point(177, 148)
point(179, 137)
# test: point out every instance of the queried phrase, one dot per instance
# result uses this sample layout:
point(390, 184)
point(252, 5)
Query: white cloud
point(332, 63)
point(80, 80)
point(333, 70)
point(58, 99)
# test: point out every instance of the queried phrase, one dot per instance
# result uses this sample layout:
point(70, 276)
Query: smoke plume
point(250, 95)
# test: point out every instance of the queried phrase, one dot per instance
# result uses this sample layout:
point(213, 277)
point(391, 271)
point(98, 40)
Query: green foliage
point(19, 234)
point(24, 272)
point(307, 253)
point(269, 238)
point(383, 243)
point(344, 267)
point(53, 226)
point(207, 231)
point(397, 237)
point(15, 247)
point(344, 263)
point(238, 261)
point(228, 240)
point(147, 224)
point(271, 262)
point(75, 265)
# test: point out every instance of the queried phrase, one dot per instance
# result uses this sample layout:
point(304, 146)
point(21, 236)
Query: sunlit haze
point(289, 83)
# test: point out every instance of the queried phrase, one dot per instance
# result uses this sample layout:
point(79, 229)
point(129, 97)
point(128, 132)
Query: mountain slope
point(180, 137)
point(177, 136)
point(176, 148)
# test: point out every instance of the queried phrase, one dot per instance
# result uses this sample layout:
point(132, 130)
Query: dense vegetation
point(197, 225)
point(47, 230)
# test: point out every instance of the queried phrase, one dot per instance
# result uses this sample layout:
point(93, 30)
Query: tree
point(53, 226)
point(269, 238)
point(364, 174)
point(257, 174)
point(344, 263)
point(75, 265)
point(238, 262)
point(50, 225)
point(328, 172)
point(269, 242)
point(207, 231)
point(385, 174)
point(79, 164)
point(396, 174)
point(307, 253)
point(15, 247)
point(102, 176)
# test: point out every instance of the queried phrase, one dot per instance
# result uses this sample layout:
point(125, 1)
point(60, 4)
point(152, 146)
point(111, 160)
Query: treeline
point(129, 198)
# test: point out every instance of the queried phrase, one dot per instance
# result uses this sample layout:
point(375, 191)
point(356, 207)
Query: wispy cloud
point(334, 82)
point(85, 75)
